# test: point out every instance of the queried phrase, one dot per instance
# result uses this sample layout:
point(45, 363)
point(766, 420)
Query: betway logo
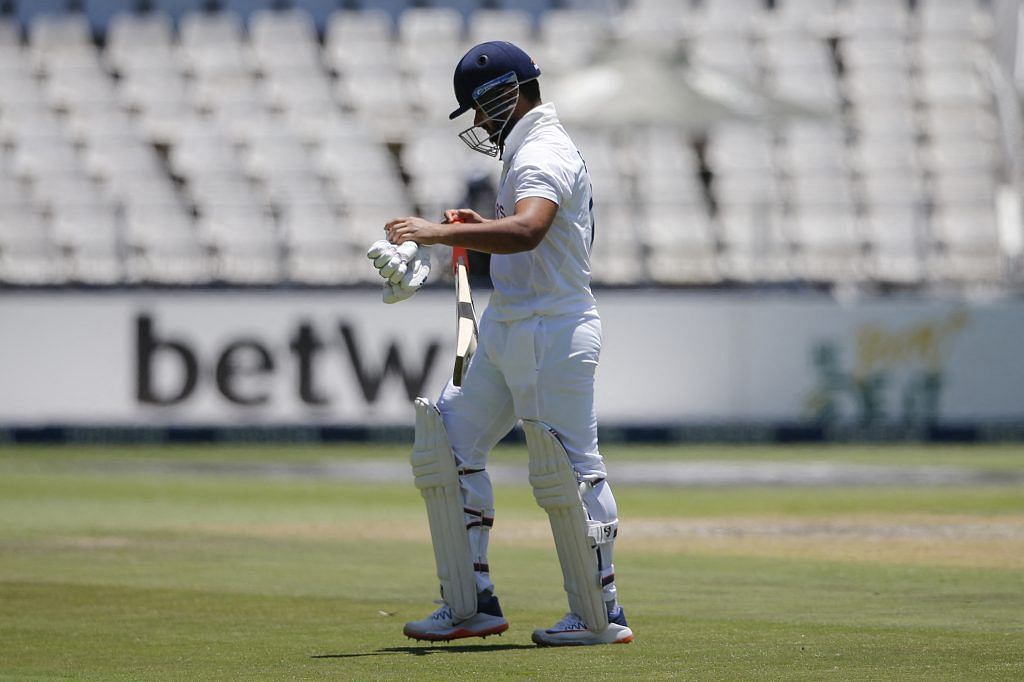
point(233, 367)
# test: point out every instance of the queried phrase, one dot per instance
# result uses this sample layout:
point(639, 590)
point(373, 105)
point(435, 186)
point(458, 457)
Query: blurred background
point(808, 212)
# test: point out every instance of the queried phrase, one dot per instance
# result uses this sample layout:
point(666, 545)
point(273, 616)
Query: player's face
point(481, 119)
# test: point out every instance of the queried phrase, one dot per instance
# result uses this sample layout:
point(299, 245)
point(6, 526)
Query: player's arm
point(522, 231)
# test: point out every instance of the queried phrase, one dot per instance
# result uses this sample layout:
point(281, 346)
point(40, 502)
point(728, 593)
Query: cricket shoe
point(441, 626)
point(572, 631)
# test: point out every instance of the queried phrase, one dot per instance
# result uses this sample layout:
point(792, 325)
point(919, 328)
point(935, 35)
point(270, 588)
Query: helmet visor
point(496, 100)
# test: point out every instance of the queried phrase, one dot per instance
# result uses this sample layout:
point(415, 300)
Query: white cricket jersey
point(553, 279)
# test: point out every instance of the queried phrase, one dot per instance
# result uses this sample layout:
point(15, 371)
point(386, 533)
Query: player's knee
point(599, 501)
point(444, 401)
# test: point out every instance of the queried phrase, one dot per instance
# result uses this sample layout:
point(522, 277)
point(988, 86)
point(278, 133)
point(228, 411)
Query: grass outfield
point(113, 569)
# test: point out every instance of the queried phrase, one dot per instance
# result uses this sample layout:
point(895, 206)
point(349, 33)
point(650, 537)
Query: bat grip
point(459, 253)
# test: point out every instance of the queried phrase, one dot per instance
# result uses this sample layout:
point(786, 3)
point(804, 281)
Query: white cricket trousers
point(538, 368)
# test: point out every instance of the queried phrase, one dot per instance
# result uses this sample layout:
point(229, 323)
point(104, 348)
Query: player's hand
point(463, 215)
point(413, 229)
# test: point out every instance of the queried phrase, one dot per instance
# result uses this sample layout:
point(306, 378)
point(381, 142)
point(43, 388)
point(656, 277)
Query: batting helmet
point(488, 78)
point(485, 63)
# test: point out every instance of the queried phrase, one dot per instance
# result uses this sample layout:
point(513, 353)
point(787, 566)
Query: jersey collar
point(540, 116)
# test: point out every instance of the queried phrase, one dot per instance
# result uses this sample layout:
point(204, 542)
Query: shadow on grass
point(432, 649)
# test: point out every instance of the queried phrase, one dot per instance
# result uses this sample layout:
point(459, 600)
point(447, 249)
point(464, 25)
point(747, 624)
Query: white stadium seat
point(52, 33)
point(282, 28)
point(359, 40)
point(53, 191)
point(941, 17)
point(366, 223)
point(424, 25)
point(137, 30)
point(139, 188)
point(961, 155)
point(799, 53)
point(616, 252)
point(754, 246)
point(893, 189)
point(284, 41)
point(42, 158)
point(963, 187)
point(735, 56)
point(950, 123)
point(896, 244)
point(299, 89)
point(828, 243)
point(152, 225)
point(200, 30)
point(884, 120)
point(945, 53)
point(33, 261)
point(513, 25)
point(967, 246)
point(886, 155)
point(569, 39)
point(875, 53)
point(20, 222)
point(813, 149)
point(740, 148)
point(810, 15)
point(657, 23)
point(226, 193)
point(874, 17)
point(953, 87)
point(183, 262)
point(680, 244)
point(265, 158)
point(204, 156)
point(728, 16)
point(822, 191)
point(320, 250)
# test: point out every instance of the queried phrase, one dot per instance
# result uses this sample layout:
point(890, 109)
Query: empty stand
point(266, 142)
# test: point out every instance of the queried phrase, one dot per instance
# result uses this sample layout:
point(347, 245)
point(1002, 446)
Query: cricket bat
point(465, 315)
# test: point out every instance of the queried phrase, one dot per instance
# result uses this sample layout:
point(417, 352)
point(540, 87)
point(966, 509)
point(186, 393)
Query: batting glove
point(404, 268)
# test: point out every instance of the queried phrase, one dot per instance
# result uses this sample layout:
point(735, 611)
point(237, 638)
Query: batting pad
point(436, 476)
point(557, 491)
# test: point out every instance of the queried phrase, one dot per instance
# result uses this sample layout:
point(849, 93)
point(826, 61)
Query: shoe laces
point(443, 613)
point(570, 622)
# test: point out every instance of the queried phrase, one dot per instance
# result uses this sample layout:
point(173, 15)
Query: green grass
point(1008, 457)
point(109, 572)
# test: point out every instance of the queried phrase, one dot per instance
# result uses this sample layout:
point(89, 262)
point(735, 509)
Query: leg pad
point(557, 490)
point(437, 477)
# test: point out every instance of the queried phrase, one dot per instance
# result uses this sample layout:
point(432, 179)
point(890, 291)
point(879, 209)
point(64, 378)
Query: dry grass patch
point(967, 541)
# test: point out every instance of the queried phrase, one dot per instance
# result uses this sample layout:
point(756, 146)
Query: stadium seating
point(263, 142)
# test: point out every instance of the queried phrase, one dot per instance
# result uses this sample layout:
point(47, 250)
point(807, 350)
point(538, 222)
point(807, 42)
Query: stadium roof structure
point(658, 87)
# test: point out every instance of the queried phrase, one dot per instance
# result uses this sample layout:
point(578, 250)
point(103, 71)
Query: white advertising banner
point(344, 358)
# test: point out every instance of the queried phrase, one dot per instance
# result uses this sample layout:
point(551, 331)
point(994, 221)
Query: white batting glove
point(378, 248)
point(385, 257)
point(391, 260)
point(417, 273)
point(391, 266)
point(399, 273)
point(414, 277)
point(408, 251)
point(393, 293)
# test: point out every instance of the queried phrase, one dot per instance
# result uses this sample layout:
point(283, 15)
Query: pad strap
point(602, 533)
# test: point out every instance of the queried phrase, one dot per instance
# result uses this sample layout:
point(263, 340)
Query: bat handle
point(459, 253)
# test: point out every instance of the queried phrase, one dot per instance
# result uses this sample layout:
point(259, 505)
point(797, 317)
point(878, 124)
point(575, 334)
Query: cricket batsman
point(539, 344)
